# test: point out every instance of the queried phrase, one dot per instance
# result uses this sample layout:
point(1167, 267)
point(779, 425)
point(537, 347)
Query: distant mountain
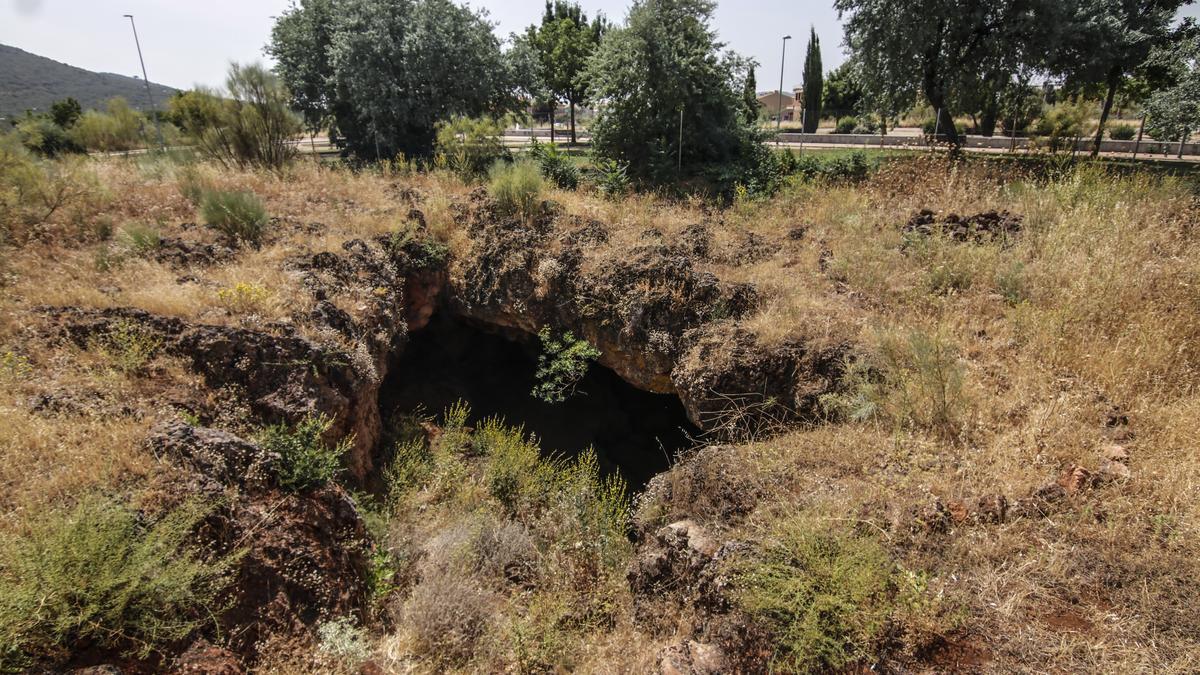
point(32, 82)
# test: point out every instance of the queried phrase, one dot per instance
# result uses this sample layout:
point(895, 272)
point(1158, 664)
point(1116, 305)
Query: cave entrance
point(634, 432)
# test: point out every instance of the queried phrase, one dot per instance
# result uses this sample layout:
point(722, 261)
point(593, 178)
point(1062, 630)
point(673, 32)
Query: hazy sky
point(186, 42)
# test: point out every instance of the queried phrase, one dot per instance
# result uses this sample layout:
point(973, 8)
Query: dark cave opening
point(634, 432)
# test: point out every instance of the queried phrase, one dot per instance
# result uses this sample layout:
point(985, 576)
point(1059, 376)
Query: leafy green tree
point(663, 78)
point(1174, 111)
point(65, 112)
point(843, 95)
point(564, 42)
point(300, 42)
point(401, 66)
point(813, 84)
point(1108, 40)
point(938, 49)
point(528, 74)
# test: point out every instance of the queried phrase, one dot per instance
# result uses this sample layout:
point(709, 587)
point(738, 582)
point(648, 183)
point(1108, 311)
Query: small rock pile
point(979, 228)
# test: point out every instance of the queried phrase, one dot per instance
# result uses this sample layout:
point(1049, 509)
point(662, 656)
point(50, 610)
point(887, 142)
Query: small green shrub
point(561, 365)
point(41, 135)
point(826, 596)
point(1010, 281)
point(915, 379)
point(845, 125)
point(128, 345)
point(13, 366)
point(1122, 132)
point(244, 297)
point(99, 573)
point(612, 179)
point(140, 238)
point(470, 146)
point(1063, 124)
point(306, 460)
point(849, 167)
point(240, 216)
point(193, 184)
point(410, 468)
point(512, 461)
point(556, 165)
point(517, 188)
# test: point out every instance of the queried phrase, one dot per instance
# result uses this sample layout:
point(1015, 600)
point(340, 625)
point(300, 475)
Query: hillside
point(32, 82)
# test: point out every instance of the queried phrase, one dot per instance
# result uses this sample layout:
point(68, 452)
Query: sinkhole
point(635, 433)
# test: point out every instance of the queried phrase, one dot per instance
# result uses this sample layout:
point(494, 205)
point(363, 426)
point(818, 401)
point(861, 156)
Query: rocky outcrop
point(660, 321)
point(203, 658)
point(302, 557)
point(979, 228)
point(682, 586)
point(283, 376)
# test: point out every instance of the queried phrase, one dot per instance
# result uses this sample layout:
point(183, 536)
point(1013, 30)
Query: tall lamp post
point(146, 80)
point(779, 113)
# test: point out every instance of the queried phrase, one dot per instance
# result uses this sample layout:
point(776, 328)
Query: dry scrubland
point(979, 369)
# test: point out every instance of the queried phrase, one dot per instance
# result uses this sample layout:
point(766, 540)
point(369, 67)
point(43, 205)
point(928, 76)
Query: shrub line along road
point(910, 142)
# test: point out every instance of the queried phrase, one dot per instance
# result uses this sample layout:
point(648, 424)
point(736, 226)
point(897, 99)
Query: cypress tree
point(813, 84)
point(750, 97)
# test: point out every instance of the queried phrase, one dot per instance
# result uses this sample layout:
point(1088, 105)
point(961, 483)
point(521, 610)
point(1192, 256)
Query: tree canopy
point(564, 42)
point(663, 77)
point(387, 71)
point(1174, 111)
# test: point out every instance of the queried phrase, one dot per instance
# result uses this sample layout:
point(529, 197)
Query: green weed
point(561, 365)
point(306, 461)
point(99, 573)
point(240, 216)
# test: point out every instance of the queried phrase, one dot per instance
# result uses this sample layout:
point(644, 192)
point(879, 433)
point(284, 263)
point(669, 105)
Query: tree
point(66, 112)
point(813, 84)
point(663, 78)
point(842, 93)
point(935, 48)
point(118, 129)
point(750, 97)
point(249, 127)
point(1174, 111)
point(393, 69)
point(300, 42)
point(565, 41)
point(1108, 40)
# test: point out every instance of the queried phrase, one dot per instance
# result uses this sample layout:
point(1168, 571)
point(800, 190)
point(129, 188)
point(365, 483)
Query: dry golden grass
point(1094, 307)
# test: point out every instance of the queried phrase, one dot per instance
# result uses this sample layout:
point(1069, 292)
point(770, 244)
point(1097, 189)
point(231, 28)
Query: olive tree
point(401, 66)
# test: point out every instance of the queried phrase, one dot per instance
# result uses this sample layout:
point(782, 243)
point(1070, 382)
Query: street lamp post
point(779, 113)
point(146, 80)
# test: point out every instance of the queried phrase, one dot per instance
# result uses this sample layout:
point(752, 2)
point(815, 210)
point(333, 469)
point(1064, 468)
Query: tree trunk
point(553, 106)
point(1114, 81)
point(573, 123)
point(935, 90)
point(946, 130)
point(1182, 140)
point(991, 113)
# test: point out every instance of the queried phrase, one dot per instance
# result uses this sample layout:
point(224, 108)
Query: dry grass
point(1093, 311)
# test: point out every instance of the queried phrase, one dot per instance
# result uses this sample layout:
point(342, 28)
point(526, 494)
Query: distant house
point(792, 104)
